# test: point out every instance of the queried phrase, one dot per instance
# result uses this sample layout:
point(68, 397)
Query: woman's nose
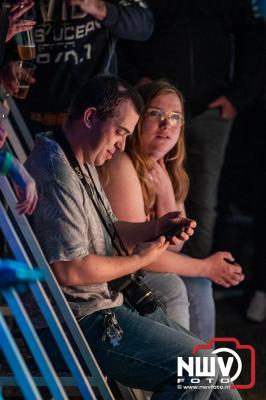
point(164, 123)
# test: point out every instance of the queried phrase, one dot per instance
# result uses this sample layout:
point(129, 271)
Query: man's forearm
point(132, 233)
point(94, 269)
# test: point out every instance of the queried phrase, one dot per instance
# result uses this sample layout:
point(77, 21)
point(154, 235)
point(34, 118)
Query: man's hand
point(228, 111)
point(171, 220)
point(222, 272)
point(96, 8)
point(19, 25)
point(149, 251)
point(10, 76)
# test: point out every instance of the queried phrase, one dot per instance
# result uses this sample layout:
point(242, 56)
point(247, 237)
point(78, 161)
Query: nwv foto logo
point(209, 365)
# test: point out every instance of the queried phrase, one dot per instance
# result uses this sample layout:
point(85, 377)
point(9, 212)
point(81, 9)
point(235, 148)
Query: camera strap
point(112, 329)
point(65, 146)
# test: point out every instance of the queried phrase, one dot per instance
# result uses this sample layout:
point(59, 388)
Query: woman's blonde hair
point(174, 159)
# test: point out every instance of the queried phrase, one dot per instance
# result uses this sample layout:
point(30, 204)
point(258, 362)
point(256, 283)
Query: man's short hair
point(104, 93)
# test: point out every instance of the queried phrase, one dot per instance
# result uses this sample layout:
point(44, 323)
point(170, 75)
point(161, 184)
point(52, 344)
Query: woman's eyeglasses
point(175, 119)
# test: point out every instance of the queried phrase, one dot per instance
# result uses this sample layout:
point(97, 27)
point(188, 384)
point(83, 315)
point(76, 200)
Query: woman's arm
point(125, 195)
point(213, 267)
point(123, 189)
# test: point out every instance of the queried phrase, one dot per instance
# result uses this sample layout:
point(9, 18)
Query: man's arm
point(100, 269)
point(129, 19)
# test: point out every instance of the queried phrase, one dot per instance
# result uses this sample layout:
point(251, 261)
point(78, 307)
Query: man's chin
point(98, 163)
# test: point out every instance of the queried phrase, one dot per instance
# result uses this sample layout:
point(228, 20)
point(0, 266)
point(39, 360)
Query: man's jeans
point(206, 140)
point(146, 357)
point(188, 301)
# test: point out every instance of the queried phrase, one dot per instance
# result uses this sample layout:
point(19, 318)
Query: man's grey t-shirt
point(67, 224)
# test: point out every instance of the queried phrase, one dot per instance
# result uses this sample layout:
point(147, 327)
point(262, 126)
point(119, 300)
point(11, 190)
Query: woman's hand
point(25, 188)
point(163, 188)
point(222, 272)
point(149, 251)
point(19, 25)
point(161, 180)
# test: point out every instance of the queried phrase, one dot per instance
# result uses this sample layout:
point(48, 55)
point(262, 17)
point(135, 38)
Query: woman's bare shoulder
point(121, 162)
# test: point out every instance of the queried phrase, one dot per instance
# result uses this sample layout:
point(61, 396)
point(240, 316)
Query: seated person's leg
point(202, 307)
point(146, 357)
point(171, 291)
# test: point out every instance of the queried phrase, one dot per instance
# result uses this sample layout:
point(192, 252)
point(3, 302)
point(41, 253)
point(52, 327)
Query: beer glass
point(25, 40)
point(26, 45)
point(27, 69)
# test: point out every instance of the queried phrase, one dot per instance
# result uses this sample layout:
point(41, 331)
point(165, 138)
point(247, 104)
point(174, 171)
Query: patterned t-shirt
point(67, 224)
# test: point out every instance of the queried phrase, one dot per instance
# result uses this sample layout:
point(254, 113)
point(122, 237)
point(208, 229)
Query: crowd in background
point(199, 67)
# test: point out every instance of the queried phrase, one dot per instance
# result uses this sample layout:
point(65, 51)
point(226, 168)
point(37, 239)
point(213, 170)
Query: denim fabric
point(146, 357)
point(188, 301)
point(171, 291)
point(201, 307)
point(206, 139)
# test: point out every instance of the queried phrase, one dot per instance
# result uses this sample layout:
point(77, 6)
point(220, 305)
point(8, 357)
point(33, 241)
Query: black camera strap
point(65, 146)
point(112, 329)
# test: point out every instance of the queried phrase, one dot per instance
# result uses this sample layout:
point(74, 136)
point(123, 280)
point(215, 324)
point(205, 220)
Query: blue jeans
point(201, 307)
point(188, 301)
point(146, 357)
point(171, 291)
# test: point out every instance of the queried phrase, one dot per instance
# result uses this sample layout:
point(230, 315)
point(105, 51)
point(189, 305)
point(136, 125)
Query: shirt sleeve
point(130, 19)
point(60, 223)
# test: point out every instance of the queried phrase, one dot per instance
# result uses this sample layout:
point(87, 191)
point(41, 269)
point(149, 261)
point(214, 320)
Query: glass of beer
point(26, 45)
point(27, 69)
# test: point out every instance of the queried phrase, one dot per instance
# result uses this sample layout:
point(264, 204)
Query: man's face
point(110, 135)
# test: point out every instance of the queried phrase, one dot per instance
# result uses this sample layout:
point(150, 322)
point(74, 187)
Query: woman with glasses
point(149, 180)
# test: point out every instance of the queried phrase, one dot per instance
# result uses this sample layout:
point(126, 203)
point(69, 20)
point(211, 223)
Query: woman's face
point(161, 125)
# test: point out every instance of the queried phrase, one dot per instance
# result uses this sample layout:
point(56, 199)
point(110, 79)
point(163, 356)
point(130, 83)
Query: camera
point(136, 292)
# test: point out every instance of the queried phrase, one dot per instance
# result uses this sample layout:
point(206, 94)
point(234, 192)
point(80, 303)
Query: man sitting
point(71, 222)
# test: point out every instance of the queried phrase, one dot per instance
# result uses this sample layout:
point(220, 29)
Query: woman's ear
point(89, 115)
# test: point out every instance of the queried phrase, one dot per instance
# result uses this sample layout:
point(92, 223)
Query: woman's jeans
point(146, 357)
point(188, 301)
point(171, 291)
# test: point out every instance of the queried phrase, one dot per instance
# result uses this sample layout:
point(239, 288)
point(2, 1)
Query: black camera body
point(136, 292)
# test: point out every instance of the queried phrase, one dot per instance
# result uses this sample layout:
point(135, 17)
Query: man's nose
point(121, 144)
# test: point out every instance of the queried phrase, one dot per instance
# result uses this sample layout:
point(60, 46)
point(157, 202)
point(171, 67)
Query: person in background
point(10, 24)
point(149, 180)
point(76, 40)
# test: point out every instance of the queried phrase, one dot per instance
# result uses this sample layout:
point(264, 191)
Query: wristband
point(7, 164)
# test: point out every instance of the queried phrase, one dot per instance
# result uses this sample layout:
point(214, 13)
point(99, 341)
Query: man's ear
point(89, 116)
